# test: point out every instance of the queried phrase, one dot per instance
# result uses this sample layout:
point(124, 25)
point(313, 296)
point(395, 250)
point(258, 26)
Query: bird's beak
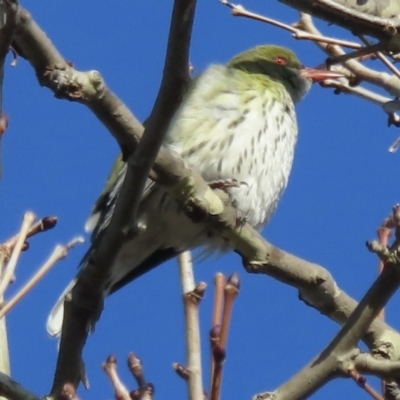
point(319, 75)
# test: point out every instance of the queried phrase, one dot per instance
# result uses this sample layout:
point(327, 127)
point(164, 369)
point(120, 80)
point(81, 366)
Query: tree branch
point(87, 295)
point(8, 12)
point(88, 88)
point(192, 295)
point(355, 20)
point(13, 390)
point(338, 357)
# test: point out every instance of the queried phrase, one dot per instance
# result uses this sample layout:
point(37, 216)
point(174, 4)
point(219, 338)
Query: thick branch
point(340, 356)
point(88, 88)
point(8, 17)
point(355, 20)
point(13, 390)
point(367, 364)
point(87, 295)
point(337, 359)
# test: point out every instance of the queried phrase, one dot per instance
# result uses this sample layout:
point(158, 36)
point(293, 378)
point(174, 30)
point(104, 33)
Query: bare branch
point(231, 290)
point(59, 253)
point(87, 295)
point(5, 253)
point(338, 357)
point(88, 88)
point(306, 30)
point(12, 390)
point(173, 86)
point(192, 296)
point(367, 364)
point(390, 83)
point(380, 79)
point(359, 22)
point(144, 393)
point(8, 23)
point(362, 382)
point(240, 11)
point(383, 58)
point(110, 368)
point(219, 283)
point(27, 222)
point(43, 225)
point(181, 371)
point(136, 368)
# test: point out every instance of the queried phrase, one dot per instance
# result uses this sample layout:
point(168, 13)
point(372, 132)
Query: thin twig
point(136, 368)
point(8, 23)
point(382, 57)
point(144, 393)
point(68, 393)
point(352, 19)
point(362, 54)
point(395, 145)
point(381, 79)
point(181, 371)
point(231, 291)
point(384, 234)
point(27, 222)
point(219, 354)
point(335, 358)
point(383, 238)
point(110, 368)
point(43, 225)
point(4, 347)
point(219, 284)
point(240, 11)
point(58, 254)
point(362, 383)
point(362, 73)
point(191, 301)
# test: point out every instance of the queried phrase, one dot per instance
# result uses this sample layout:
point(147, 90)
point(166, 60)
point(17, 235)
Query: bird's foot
point(241, 217)
point(224, 184)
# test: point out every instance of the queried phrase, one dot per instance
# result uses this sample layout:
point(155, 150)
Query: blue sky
point(55, 159)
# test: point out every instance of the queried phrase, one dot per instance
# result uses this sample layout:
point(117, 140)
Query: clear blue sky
point(56, 157)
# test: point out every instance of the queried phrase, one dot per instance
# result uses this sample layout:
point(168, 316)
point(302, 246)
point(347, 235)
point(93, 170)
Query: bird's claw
point(241, 217)
point(224, 184)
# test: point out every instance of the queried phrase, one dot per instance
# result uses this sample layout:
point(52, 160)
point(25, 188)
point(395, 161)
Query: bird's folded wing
point(104, 207)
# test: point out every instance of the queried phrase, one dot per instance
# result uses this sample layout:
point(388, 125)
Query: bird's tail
point(55, 318)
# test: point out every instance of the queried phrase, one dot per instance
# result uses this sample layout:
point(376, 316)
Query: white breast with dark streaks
point(249, 139)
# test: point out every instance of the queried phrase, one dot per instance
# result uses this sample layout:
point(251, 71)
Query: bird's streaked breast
point(241, 131)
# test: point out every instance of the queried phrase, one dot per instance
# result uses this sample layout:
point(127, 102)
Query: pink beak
point(319, 75)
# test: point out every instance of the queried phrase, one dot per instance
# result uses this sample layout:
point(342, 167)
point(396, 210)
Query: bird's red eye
point(280, 60)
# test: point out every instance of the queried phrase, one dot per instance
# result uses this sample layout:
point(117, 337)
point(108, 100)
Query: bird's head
point(280, 64)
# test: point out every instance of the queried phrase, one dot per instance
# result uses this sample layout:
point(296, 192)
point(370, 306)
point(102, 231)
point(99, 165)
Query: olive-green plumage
point(236, 122)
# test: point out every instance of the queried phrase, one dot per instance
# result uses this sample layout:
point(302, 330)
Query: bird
point(236, 123)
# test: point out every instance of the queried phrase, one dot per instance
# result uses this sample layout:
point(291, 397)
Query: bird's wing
point(103, 209)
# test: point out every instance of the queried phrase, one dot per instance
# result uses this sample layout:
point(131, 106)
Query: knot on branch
point(265, 396)
point(70, 84)
point(388, 253)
